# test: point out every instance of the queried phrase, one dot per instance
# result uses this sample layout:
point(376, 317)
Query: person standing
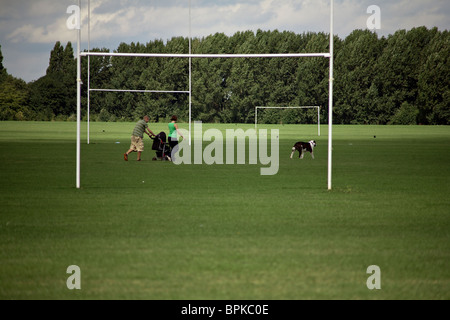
point(173, 135)
point(137, 138)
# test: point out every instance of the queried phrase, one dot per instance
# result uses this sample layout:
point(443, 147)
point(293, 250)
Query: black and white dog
point(301, 147)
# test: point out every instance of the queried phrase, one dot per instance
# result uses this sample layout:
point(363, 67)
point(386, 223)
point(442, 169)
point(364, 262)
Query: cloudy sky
point(30, 28)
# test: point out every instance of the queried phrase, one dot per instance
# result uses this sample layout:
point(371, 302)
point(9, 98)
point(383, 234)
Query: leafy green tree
point(313, 73)
point(210, 80)
point(56, 63)
point(126, 74)
point(406, 115)
point(3, 72)
point(280, 84)
point(100, 78)
point(246, 77)
point(355, 73)
point(398, 69)
point(14, 96)
point(434, 82)
point(377, 80)
point(48, 97)
point(55, 93)
point(14, 99)
point(69, 79)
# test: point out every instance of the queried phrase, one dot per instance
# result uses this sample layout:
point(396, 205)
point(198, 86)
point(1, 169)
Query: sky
point(29, 29)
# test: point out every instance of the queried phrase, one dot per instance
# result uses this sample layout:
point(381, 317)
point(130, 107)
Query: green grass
point(225, 231)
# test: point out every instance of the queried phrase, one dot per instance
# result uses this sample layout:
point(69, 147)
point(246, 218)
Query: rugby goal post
point(329, 55)
point(302, 107)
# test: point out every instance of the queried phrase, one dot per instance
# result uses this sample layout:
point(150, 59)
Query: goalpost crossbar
point(187, 55)
point(307, 107)
point(137, 91)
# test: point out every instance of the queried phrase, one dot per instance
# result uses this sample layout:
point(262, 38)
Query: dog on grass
point(303, 147)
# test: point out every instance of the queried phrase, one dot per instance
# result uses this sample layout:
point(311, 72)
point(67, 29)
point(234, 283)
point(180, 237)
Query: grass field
point(154, 230)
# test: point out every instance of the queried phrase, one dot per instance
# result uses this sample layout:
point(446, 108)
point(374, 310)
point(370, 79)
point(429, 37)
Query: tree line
point(399, 79)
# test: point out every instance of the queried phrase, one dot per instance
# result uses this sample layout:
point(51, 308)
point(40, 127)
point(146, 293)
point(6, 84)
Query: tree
point(3, 72)
point(406, 115)
point(356, 86)
point(14, 99)
point(55, 93)
point(245, 82)
point(433, 82)
point(14, 96)
point(100, 78)
point(377, 80)
point(56, 63)
point(48, 97)
point(313, 73)
point(399, 67)
point(210, 80)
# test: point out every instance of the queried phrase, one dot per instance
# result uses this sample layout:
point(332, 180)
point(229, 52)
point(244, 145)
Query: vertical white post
point(89, 71)
point(256, 118)
point(190, 74)
point(78, 102)
point(330, 102)
point(318, 121)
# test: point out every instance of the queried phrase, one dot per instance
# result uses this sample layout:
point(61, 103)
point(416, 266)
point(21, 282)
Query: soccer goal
point(279, 108)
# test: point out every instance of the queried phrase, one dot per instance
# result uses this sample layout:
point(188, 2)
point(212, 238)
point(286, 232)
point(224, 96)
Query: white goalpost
point(190, 56)
point(279, 108)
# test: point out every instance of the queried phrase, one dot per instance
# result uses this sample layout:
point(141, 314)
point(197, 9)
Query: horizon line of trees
point(400, 79)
